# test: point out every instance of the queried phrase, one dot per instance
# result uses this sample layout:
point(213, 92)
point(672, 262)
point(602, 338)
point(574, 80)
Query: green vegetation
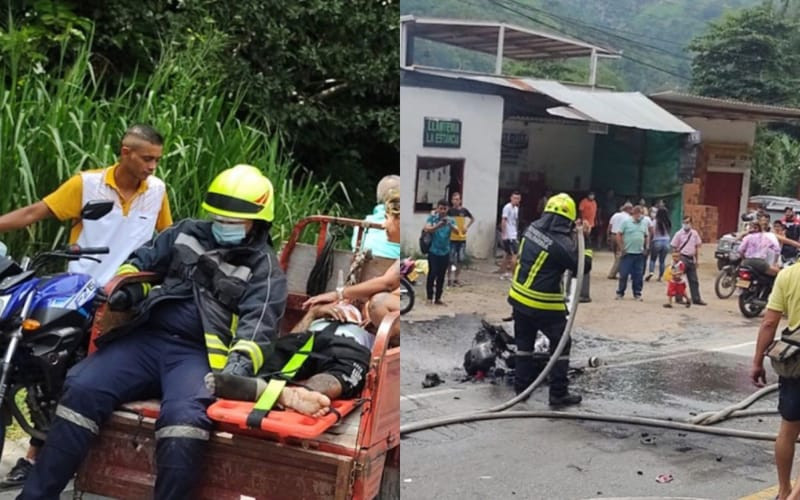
point(317, 78)
point(52, 125)
point(777, 164)
point(749, 55)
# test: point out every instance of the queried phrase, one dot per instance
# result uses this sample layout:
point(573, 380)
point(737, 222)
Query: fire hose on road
point(699, 423)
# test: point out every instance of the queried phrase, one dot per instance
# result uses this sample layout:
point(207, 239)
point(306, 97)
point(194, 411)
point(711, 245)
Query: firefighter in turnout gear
point(217, 309)
point(547, 249)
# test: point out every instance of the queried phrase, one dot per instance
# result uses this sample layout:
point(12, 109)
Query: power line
point(603, 27)
point(671, 71)
point(657, 68)
point(609, 32)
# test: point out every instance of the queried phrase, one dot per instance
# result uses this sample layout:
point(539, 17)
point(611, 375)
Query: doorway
point(723, 191)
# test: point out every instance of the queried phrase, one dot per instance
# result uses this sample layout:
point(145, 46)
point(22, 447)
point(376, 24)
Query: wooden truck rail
point(358, 458)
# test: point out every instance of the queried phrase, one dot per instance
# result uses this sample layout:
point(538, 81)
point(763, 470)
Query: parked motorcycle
point(725, 284)
point(406, 287)
point(727, 251)
point(44, 330)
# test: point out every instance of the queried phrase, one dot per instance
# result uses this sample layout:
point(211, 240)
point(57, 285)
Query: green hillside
point(652, 34)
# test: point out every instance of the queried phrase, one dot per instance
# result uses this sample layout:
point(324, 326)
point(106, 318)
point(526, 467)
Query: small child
point(676, 285)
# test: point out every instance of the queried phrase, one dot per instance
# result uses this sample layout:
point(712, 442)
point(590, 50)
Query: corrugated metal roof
point(623, 109)
point(518, 43)
point(689, 104)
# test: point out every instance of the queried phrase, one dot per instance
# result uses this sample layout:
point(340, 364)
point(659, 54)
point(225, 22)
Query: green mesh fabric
point(636, 163)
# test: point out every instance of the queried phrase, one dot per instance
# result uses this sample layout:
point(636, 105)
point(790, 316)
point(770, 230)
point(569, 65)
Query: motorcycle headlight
point(4, 300)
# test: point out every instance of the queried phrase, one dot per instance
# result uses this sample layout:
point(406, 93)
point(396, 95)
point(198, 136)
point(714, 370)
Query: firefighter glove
point(239, 364)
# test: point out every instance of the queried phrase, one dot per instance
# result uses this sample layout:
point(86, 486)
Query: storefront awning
point(622, 109)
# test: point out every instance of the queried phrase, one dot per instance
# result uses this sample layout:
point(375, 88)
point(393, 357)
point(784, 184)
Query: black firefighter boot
point(559, 395)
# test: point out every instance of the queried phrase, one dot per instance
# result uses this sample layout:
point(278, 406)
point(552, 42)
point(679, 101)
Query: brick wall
point(705, 219)
point(692, 193)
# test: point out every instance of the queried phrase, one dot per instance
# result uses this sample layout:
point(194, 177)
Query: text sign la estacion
point(439, 133)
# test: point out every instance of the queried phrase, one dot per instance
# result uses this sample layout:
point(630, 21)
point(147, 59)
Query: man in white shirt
point(651, 224)
point(508, 227)
point(614, 227)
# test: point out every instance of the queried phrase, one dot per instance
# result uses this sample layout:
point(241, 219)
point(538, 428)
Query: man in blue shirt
point(440, 225)
point(633, 238)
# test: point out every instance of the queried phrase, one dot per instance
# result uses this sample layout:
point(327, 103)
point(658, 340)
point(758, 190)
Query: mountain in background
point(652, 34)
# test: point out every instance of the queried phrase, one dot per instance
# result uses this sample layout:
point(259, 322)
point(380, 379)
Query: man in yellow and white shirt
point(140, 208)
point(140, 200)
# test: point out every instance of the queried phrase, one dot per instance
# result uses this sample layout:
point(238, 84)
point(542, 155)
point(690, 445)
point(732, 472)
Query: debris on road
point(649, 440)
point(664, 478)
point(431, 380)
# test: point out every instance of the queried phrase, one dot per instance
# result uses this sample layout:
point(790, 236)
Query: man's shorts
point(789, 398)
point(676, 289)
point(510, 246)
point(457, 251)
point(339, 356)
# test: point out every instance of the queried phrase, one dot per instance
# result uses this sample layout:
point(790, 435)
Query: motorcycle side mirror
point(96, 209)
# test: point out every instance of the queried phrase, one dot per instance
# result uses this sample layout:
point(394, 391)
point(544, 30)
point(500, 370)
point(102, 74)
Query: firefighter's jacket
point(240, 291)
point(547, 249)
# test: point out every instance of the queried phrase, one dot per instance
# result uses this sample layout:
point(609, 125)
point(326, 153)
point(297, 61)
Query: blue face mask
point(228, 234)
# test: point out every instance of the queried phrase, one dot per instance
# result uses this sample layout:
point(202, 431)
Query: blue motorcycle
point(44, 330)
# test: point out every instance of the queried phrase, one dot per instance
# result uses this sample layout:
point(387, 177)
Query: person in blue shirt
point(375, 239)
point(439, 254)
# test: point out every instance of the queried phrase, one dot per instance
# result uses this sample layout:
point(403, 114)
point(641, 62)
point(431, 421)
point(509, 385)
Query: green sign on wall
point(441, 133)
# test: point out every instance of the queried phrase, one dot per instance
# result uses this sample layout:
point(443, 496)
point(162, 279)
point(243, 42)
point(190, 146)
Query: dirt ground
point(484, 294)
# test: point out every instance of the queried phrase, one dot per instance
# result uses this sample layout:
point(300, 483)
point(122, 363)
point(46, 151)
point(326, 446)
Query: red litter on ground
point(664, 478)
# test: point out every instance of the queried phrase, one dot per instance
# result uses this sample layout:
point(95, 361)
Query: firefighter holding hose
point(547, 249)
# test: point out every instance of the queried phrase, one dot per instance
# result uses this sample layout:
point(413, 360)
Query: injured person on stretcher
point(325, 357)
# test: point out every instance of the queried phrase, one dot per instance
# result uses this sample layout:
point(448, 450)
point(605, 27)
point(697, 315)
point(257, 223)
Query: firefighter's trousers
point(139, 366)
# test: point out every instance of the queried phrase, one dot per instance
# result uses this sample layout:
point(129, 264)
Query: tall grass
point(54, 125)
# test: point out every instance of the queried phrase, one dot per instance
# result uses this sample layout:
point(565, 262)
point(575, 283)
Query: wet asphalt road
point(704, 369)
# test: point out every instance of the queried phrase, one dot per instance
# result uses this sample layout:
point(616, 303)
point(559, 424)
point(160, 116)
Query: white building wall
point(482, 122)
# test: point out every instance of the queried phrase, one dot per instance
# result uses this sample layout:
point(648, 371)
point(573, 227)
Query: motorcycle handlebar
point(78, 250)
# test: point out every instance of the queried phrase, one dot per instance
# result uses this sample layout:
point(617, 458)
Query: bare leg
point(315, 400)
point(784, 455)
point(32, 452)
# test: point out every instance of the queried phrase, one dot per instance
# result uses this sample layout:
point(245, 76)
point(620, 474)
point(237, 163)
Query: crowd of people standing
point(636, 237)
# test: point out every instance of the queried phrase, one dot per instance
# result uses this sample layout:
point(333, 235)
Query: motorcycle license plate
point(740, 283)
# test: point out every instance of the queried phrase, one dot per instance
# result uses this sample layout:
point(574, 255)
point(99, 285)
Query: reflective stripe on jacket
point(547, 249)
point(241, 291)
